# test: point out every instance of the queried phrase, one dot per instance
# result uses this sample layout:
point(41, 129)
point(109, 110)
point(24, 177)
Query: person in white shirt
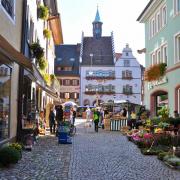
point(88, 114)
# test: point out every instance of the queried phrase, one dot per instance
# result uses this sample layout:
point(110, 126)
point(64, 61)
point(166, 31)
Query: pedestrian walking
point(74, 116)
point(101, 117)
point(52, 121)
point(59, 114)
point(88, 114)
point(96, 119)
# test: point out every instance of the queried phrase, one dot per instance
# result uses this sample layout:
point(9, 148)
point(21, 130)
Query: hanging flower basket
point(36, 50)
point(47, 33)
point(46, 78)
point(155, 72)
point(52, 76)
point(42, 62)
point(43, 12)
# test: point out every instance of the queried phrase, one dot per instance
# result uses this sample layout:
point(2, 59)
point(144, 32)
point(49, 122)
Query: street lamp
point(91, 72)
point(97, 97)
point(114, 97)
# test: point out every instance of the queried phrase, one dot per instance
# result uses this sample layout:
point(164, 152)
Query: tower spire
point(97, 25)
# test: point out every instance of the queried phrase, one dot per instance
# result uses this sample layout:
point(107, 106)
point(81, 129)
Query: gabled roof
point(100, 48)
point(67, 56)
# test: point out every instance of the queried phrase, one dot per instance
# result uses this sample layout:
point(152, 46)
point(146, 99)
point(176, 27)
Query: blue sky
point(118, 16)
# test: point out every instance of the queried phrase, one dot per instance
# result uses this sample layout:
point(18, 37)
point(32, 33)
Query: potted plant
point(47, 33)
point(36, 50)
point(43, 12)
point(9, 155)
point(155, 72)
point(164, 113)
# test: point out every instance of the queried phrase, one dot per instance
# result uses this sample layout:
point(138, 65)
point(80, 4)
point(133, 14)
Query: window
point(75, 82)
point(67, 95)
point(153, 26)
point(59, 59)
point(9, 7)
point(66, 82)
point(67, 68)
point(164, 16)
point(177, 48)
point(126, 63)
point(153, 58)
point(58, 68)
point(176, 7)
point(158, 56)
point(179, 100)
point(164, 54)
point(31, 32)
point(5, 84)
point(127, 89)
point(127, 74)
point(76, 95)
point(158, 21)
point(72, 59)
point(127, 54)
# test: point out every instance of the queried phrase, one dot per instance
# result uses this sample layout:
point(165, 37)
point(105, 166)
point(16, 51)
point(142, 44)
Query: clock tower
point(97, 26)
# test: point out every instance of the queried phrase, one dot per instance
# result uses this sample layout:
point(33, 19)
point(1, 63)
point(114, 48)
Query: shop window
point(5, 89)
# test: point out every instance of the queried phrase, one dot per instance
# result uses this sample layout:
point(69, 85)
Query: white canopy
point(69, 103)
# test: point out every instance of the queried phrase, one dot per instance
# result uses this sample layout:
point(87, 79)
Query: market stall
point(118, 114)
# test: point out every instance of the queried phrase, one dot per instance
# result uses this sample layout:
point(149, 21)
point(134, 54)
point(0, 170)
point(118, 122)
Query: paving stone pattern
point(47, 160)
point(92, 156)
point(109, 156)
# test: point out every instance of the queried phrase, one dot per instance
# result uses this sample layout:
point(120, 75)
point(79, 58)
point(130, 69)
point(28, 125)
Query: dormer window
point(72, 59)
point(59, 59)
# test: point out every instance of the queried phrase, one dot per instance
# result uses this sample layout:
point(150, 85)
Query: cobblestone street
point(97, 156)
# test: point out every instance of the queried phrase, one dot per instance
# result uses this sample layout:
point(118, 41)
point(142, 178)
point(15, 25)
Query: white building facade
point(128, 78)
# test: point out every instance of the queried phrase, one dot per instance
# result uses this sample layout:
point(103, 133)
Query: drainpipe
point(21, 74)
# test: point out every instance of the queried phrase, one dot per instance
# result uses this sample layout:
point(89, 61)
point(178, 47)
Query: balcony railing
point(127, 92)
point(88, 77)
point(99, 92)
point(127, 77)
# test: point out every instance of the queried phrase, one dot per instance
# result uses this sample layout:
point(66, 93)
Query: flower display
point(155, 72)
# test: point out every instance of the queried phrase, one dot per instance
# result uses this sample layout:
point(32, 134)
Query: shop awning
point(13, 55)
point(55, 25)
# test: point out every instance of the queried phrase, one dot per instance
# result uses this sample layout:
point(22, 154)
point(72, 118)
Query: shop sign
point(151, 85)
